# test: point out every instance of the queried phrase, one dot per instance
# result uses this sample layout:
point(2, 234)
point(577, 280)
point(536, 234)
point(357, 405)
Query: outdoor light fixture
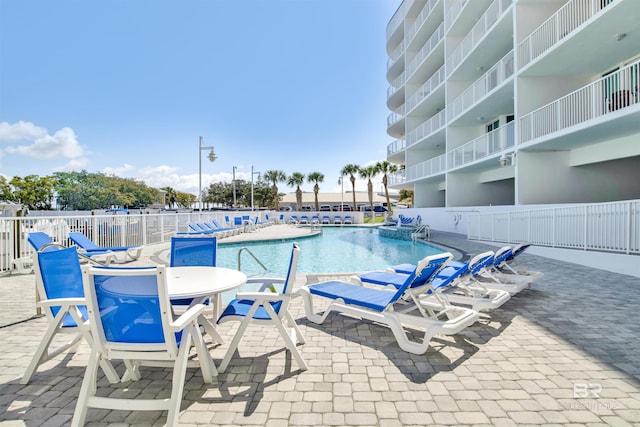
point(212, 158)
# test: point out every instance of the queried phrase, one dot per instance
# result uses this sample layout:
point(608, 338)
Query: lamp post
point(341, 182)
point(212, 158)
point(234, 186)
point(253, 173)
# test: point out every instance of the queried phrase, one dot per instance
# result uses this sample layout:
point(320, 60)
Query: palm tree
point(351, 170)
point(385, 168)
point(170, 196)
point(368, 173)
point(316, 177)
point(274, 177)
point(296, 180)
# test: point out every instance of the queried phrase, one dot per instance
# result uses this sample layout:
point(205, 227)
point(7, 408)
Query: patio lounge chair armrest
point(187, 317)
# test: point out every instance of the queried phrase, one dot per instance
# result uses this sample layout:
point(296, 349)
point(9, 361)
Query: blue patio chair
point(507, 268)
point(131, 320)
point(61, 295)
point(231, 230)
point(393, 307)
point(266, 306)
point(293, 219)
point(120, 253)
point(347, 219)
point(325, 219)
point(304, 219)
point(315, 219)
point(337, 219)
point(192, 252)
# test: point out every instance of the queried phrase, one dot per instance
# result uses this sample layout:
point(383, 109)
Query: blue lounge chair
point(455, 282)
point(348, 219)
point(304, 219)
point(230, 230)
point(506, 268)
point(337, 219)
point(326, 219)
point(120, 253)
point(41, 241)
point(266, 306)
point(293, 219)
point(393, 307)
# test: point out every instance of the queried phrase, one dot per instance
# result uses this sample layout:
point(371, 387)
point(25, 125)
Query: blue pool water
point(335, 250)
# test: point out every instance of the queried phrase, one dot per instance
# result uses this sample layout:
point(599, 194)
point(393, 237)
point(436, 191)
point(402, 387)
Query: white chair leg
point(236, 338)
point(87, 390)
point(299, 338)
point(206, 363)
point(179, 374)
point(291, 345)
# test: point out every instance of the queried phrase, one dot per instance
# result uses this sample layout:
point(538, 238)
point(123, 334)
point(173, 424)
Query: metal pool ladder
point(252, 256)
point(423, 231)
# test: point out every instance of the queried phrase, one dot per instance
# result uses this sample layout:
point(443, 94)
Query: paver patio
point(566, 352)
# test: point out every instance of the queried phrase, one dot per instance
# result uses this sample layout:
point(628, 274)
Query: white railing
point(566, 20)
point(452, 13)
point(426, 89)
point(396, 178)
point(424, 13)
point(483, 146)
point(396, 116)
point(606, 95)
point(106, 230)
point(427, 168)
point(427, 128)
point(395, 54)
point(396, 84)
point(395, 146)
point(477, 33)
point(398, 18)
point(489, 81)
point(424, 52)
point(613, 227)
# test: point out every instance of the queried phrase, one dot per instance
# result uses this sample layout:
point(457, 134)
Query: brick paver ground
point(566, 352)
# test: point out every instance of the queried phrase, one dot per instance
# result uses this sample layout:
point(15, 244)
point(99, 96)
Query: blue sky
point(127, 87)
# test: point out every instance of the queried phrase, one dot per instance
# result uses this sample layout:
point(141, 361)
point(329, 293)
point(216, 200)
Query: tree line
point(89, 191)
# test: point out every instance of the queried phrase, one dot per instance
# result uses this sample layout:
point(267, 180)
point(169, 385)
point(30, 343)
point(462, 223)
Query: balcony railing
point(396, 84)
point(476, 34)
point(566, 20)
point(609, 94)
point(426, 89)
point(397, 52)
point(424, 14)
point(483, 146)
point(428, 47)
point(427, 128)
point(395, 146)
point(451, 14)
point(481, 87)
point(397, 115)
point(427, 168)
point(613, 227)
point(396, 178)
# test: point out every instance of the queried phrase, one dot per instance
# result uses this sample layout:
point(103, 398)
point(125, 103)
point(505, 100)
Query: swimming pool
point(335, 250)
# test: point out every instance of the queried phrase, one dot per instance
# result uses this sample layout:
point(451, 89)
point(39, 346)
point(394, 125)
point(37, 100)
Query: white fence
point(611, 227)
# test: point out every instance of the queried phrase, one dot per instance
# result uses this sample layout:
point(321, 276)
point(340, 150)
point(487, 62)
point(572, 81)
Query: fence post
point(586, 226)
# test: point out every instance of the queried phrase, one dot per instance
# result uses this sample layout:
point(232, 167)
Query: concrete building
point(515, 102)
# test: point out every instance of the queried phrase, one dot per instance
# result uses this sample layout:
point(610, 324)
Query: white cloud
point(118, 171)
point(63, 143)
point(20, 131)
point(73, 165)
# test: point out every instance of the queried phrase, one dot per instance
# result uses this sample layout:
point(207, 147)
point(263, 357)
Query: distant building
point(332, 199)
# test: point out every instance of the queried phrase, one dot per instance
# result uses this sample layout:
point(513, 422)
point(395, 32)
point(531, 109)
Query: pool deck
point(566, 352)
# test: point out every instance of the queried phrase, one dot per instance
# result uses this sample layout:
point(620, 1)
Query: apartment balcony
point(395, 122)
point(484, 146)
point(452, 13)
point(478, 33)
point(426, 50)
point(428, 128)
point(425, 13)
point(427, 90)
point(607, 27)
point(482, 87)
point(396, 179)
point(395, 151)
point(605, 109)
point(427, 169)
